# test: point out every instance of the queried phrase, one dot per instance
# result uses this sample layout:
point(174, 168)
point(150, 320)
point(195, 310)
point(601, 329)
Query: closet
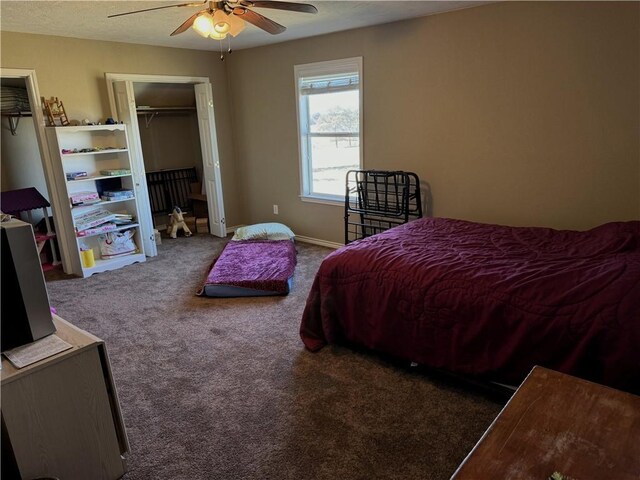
point(170, 141)
point(20, 161)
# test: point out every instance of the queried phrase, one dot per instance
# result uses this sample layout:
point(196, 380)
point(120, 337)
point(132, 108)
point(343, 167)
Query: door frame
point(178, 79)
point(55, 197)
point(125, 105)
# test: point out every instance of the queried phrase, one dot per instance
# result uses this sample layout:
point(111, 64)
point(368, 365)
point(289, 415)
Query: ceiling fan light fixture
point(218, 36)
point(237, 25)
point(221, 21)
point(219, 18)
point(203, 24)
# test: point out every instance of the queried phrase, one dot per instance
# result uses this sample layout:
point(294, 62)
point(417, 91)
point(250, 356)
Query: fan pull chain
point(229, 51)
point(221, 54)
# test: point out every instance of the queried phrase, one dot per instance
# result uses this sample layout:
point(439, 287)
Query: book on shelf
point(117, 191)
point(76, 175)
point(86, 203)
point(84, 198)
point(93, 218)
point(115, 199)
point(67, 151)
point(115, 171)
point(123, 219)
point(111, 195)
point(104, 228)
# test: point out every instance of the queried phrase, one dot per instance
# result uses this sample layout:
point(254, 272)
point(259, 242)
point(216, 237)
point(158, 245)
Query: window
point(329, 126)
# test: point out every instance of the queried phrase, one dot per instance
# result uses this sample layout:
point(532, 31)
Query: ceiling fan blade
point(185, 26)
point(157, 8)
point(259, 21)
point(293, 7)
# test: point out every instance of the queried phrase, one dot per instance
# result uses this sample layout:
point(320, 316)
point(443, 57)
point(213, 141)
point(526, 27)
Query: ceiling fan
point(218, 19)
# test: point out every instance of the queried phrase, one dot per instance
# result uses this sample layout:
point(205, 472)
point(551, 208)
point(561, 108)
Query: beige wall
point(74, 69)
point(172, 140)
point(515, 113)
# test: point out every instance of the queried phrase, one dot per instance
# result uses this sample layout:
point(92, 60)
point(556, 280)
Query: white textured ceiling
point(88, 19)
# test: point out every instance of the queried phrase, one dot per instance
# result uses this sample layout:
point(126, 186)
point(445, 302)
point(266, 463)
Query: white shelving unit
point(111, 152)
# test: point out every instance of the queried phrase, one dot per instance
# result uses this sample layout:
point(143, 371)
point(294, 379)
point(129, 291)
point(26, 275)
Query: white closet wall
point(20, 162)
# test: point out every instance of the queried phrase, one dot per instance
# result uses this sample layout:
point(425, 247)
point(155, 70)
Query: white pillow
point(264, 231)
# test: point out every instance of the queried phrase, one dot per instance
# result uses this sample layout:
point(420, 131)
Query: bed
point(487, 301)
point(252, 268)
point(259, 261)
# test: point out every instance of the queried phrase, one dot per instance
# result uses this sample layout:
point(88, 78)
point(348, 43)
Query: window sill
point(322, 200)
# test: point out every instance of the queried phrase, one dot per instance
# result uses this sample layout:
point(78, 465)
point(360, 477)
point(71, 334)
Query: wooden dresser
point(61, 416)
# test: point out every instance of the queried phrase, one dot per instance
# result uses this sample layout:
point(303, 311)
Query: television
point(25, 314)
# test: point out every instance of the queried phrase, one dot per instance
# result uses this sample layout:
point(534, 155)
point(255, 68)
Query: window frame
point(330, 67)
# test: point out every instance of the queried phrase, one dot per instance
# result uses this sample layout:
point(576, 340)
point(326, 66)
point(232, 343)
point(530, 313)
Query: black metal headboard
point(170, 188)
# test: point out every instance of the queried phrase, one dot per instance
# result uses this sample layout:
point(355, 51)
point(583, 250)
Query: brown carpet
point(223, 388)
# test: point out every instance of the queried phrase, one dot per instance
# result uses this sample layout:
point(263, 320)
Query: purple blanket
point(255, 264)
point(487, 300)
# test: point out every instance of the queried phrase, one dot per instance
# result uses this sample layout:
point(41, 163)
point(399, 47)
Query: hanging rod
point(148, 117)
point(151, 112)
point(14, 120)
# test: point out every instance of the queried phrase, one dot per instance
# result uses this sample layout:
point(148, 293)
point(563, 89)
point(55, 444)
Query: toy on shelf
point(54, 109)
point(177, 222)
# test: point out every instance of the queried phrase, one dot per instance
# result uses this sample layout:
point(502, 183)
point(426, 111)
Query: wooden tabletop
point(559, 423)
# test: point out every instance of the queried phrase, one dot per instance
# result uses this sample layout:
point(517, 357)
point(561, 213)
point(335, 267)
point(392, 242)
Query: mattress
point(487, 301)
point(250, 268)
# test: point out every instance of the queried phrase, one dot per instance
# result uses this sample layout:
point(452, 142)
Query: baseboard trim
point(317, 241)
point(233, 229)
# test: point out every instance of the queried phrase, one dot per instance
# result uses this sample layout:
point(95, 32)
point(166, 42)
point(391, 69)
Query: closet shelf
point(164, 109)
point(24, 113)
point(151, 112)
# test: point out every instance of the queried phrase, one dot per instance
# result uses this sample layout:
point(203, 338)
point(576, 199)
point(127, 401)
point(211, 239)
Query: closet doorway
point(25, 156)
point(170, 140)
point(171, 128)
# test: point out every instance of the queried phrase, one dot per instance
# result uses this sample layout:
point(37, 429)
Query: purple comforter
point(256, 264)
point(486, 300)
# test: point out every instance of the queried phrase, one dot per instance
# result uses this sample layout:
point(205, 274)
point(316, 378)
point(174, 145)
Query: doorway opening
point(171, 126)
point(170, 140)
point(25, 179)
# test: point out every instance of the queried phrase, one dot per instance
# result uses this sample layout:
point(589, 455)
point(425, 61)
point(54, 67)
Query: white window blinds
point(329, 83)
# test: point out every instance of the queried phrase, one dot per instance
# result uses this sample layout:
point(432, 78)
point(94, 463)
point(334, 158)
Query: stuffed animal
point(176, 222)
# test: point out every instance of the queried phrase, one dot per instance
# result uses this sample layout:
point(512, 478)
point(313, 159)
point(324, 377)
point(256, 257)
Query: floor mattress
point(250, 268)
